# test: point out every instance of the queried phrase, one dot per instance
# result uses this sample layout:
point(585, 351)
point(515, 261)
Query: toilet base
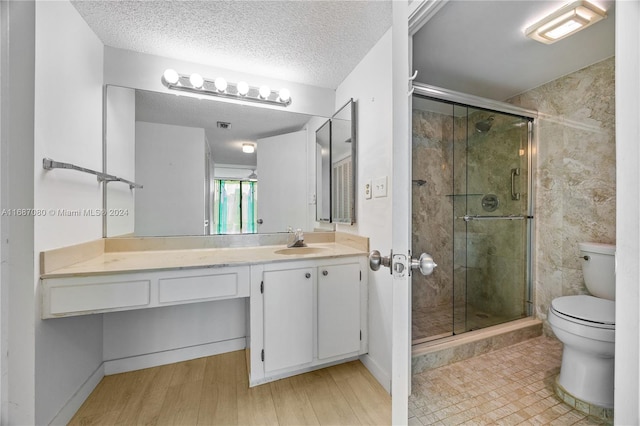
point(602, 413)
point(587, 371)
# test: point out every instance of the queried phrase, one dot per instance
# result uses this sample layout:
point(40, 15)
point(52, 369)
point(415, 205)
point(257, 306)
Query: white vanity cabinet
point(338, 310)
point(288, 316)
point(306, 314)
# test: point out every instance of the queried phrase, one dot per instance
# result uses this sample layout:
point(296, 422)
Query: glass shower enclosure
point(471, 212)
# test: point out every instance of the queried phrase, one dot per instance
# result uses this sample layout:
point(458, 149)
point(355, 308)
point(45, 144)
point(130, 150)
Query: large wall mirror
point(191, 157)
point(336, 167)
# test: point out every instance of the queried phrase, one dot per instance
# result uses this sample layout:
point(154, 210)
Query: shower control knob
point(425, 264)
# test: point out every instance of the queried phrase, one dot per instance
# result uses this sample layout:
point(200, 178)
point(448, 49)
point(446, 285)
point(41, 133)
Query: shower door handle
point(514, 172)
point(425, 264)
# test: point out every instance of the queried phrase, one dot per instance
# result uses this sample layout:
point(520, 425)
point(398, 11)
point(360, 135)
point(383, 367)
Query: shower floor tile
point(509, 386)
point(429, 323)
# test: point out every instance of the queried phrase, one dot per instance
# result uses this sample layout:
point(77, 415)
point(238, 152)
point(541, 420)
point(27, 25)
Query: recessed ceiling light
point(565, 21)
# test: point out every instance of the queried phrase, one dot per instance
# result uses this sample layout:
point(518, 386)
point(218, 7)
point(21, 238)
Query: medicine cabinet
point(336, 167)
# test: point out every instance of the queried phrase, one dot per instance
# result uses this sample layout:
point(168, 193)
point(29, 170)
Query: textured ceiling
point(312, 42)
point(478, 47)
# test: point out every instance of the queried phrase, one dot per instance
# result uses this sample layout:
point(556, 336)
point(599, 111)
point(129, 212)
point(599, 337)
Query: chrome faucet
point(298, 239)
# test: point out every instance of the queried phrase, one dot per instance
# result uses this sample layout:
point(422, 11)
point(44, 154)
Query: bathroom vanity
point(307, 307)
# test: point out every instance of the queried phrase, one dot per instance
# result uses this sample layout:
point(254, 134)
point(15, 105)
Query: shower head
point(483, 126)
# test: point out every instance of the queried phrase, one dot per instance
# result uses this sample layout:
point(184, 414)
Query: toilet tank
point(598, 267)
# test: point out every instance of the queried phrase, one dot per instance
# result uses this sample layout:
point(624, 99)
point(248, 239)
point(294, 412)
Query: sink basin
point(300, 250)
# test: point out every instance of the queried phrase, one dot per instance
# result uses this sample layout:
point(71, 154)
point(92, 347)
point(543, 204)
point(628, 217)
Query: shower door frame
point(463, 99)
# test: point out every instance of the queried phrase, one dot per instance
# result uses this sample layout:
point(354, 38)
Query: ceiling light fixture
point(248, 148)
point(195, 83)
point(565, 21)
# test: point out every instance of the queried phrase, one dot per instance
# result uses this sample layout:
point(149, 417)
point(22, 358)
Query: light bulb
point(171, 76)
point(221, 84)
point(248, 148)
point(264, 91)
point(196, 80)
point(284, 95)
point(243, 88)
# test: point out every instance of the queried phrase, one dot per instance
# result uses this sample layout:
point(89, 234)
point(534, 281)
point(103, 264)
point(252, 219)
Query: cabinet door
point(288, 318)
point(338, 310)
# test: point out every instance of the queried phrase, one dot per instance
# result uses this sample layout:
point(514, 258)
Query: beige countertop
point(155, 260)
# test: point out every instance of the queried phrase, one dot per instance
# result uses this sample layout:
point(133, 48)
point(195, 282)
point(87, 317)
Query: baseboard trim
point(67, 412)
point(376, 371)
point(155, 359)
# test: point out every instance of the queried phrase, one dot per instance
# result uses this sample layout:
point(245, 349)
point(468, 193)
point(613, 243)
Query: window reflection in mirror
point(235, 207)
point(182, 148)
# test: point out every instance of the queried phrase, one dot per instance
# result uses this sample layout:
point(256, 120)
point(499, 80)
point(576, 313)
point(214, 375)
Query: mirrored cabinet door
point(336, 167)
point(323, 173)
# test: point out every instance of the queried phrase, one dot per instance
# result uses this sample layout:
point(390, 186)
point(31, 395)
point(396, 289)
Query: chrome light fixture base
point(185, 83)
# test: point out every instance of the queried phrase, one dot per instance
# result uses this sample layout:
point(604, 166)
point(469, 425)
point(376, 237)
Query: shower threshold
point(431, 338)
point(454, 348)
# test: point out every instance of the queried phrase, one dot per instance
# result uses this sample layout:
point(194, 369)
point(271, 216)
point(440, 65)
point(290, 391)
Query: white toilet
point(586, 327)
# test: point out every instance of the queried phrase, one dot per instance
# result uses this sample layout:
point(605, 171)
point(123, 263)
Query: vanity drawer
point(233, 282)
point(97, 297)
point(141, 290)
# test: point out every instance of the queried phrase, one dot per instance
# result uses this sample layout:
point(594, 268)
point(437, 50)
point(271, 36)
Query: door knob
point(375, 260)
point(425, 264)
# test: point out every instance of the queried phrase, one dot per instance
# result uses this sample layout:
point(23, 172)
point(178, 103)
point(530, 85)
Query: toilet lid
point(586, 308)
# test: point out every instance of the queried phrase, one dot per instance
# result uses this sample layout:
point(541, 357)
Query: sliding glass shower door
point(471, 212)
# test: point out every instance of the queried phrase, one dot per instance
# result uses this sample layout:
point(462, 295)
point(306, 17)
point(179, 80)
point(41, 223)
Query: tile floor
point(510, 386)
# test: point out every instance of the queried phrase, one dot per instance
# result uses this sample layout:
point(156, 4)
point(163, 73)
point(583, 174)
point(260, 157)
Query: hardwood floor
point(215, 390)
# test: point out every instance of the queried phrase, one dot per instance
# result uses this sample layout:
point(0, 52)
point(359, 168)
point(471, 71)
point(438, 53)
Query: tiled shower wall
point(432, 207)
point(575, 185)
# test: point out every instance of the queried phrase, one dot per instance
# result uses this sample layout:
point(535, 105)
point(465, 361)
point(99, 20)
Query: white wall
point(370, 85)
point(17, 42)
point(68, 128)
point(120, 129)
point(170, 164)
point(143, 71)
point(228, 171)
point(172, 328)
point(627, 381)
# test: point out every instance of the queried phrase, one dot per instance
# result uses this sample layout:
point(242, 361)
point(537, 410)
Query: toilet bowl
point(585, 324)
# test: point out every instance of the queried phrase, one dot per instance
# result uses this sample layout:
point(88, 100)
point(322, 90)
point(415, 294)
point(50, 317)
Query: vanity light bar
point(195, 83)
